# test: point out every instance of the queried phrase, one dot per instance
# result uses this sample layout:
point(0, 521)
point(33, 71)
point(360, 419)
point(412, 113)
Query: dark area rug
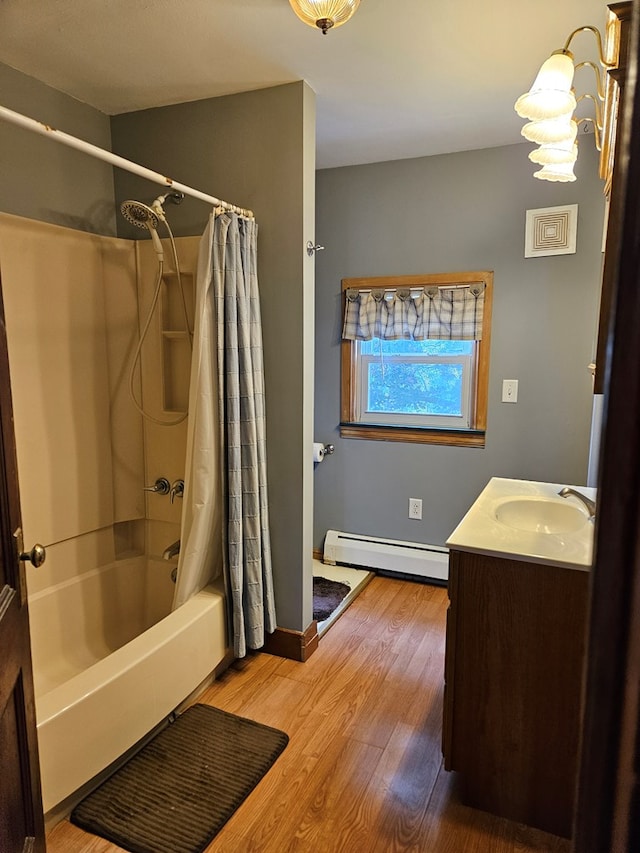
point(177, 792)
point(327, 595)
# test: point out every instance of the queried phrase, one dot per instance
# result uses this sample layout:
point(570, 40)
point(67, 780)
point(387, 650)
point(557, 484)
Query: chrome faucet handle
point(177, 490)
point(160, 487)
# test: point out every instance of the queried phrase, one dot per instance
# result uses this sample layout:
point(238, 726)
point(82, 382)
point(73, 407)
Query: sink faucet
point(172, 551)
point(590, 505)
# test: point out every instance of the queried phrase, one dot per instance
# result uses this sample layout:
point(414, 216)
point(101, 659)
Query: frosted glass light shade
point(556, 172)
point(551, 94)
point(555, 153)
point(549, 130)
point(324, 14)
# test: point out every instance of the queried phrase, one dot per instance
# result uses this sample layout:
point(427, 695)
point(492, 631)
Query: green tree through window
point(415, 378)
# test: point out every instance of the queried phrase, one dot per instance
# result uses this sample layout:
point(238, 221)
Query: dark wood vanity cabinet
point(516, 638)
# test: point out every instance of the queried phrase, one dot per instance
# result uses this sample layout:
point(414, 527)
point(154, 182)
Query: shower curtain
point(225, 518)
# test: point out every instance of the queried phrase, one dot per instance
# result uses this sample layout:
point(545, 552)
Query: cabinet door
point(516, 678)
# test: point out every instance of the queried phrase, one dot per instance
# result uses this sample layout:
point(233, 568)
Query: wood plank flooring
point(363, 769)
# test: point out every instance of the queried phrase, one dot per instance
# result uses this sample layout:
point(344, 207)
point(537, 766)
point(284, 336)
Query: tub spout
point(172, 551)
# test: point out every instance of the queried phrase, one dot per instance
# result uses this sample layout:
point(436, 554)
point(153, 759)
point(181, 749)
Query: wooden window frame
point(472, 437)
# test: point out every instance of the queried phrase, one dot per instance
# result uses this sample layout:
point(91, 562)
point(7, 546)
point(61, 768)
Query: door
point(21, 818)
point(608, 814)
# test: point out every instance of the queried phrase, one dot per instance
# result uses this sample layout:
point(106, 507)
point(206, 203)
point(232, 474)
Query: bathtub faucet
point(177, 490)
point(172, 551)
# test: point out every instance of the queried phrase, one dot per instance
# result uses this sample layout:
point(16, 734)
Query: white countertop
point(480, 531)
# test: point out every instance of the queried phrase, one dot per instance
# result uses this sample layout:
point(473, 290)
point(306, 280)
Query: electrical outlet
point(415, 508)
point(509, 390)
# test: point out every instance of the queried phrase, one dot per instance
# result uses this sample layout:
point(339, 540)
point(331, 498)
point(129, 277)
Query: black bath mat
point(327, 595)
point(177, 792)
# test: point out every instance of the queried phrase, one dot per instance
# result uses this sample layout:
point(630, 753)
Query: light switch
point(509, 390)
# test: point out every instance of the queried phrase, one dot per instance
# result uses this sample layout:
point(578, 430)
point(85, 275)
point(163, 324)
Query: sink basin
point(541, 515)
point(529, 521)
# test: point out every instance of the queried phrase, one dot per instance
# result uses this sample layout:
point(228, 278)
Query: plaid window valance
point(423, 313)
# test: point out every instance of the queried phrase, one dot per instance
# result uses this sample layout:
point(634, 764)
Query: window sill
point(415, 435)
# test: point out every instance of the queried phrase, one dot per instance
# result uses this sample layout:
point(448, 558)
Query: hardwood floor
point(363, 769)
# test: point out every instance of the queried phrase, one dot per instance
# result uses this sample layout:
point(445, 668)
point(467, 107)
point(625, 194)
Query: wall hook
point(311, 249)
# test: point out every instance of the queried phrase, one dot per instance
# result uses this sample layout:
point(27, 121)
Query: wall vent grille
point(551, 231)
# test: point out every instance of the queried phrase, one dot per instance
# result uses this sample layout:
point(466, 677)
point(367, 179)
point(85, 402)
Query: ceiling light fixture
point(550, 104)
point(324, 14)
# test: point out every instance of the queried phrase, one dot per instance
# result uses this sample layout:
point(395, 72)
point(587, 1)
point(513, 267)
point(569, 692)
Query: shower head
point(141, 216)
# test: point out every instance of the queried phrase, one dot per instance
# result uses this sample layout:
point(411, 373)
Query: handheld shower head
point(141, 216)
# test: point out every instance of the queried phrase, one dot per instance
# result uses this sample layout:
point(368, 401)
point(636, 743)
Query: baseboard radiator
point(388, 555)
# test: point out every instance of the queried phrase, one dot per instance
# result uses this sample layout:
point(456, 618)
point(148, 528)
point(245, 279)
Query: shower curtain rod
point(116, 160)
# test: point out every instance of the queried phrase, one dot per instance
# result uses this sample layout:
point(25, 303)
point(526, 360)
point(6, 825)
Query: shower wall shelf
point(174, 341)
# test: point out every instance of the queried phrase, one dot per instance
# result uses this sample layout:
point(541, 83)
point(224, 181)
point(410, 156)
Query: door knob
point(36, 556)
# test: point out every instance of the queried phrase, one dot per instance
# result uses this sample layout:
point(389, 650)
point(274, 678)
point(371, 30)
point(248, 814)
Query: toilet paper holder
point(321, 450)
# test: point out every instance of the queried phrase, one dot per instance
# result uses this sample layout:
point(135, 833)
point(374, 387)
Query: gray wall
point(45, 180)
point(451, 213)
point(256, 150)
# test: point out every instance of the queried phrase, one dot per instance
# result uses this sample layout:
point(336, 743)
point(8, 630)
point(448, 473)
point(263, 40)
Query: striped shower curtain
point(228, 307)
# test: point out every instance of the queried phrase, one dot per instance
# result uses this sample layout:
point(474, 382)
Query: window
point(399, 382)
point(417, 383)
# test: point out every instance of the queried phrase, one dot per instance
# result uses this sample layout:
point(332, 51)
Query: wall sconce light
point(550, 105)
point(558, 151)
point(324, 14)
point(551, 95)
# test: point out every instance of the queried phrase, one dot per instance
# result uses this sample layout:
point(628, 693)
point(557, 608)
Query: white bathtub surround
point(71, 356)
point(528, 520)
point(227, 295)
point(109, 663)
point(100, 684)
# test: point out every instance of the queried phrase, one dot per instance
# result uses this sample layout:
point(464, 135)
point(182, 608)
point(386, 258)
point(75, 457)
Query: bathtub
point(111, 662)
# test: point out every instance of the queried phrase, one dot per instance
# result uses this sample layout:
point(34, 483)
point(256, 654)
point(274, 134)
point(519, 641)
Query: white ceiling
point(403, 78)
